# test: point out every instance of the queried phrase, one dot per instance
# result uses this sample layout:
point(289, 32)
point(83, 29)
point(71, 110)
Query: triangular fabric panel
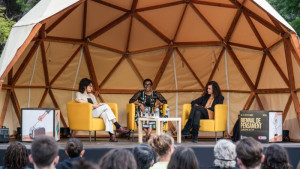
point(103, 61)
point(57, 55)
point(185, 78)
point(22, 58)
point(219, 17)
point(269, 37)
point(123, 4)
point(23, 97)
point(291, 123)
point(267, 81)
point(250, 60)
point(118, 77)
point(166, 25)
point(202, 60)
point(274, 103)
point(236, 104)
point(115, 37)
point(220, 73)
point(296, 70)
point(34, 72)
point(66, 79)
point(142, 37)
point(71, 26)
point(141, 61)
point(167, 79)
point(243, 33)
point(146, 3)
point(199, 32)
point(279, 55)
point(62, 100)
point(48, 102)
point(97, 16)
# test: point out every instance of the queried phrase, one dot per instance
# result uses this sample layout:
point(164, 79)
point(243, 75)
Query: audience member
point(16, 157)
point(44, 153)
point(74, 150)
point(164, 147)
point(276, 157)
point(249, 153)
point(183, 157)
point(144, 155)
point(225, 155)
point(118, 159)
point(84, 164)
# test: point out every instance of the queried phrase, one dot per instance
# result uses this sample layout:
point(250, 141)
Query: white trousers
point(107, 115)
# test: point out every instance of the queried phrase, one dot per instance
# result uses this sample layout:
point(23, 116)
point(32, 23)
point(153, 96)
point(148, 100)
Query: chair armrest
point(186, 109)
point(79, 115)
point(114, 108)
point(130, 109)
point(164, 109)
point(221, 113)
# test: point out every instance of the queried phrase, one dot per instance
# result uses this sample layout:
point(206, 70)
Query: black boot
point(186, 130)
point(195, 132)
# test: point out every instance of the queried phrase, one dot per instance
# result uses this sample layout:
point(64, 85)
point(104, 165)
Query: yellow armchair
point(218, 124)
point(131, 124)
point(80, 117)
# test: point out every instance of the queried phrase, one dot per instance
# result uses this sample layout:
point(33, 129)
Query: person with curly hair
point(16, 157)
point(203, 108)
point(276, 157)
point(163, 145)
point(225, 155)
point(100, 110)
point(74, 150)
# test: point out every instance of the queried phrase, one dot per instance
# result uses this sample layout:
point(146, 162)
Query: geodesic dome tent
point(244, 45)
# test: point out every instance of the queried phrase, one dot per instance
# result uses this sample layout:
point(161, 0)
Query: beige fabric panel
point(123, 4)
point(278, 53)
point(146, 3)
point(250, 60)
point(186, 34)
point(243, 33)
point(115, 37)
point(66, 27)
point(291, 123)
point(148, 63)
point(101, 19)
point(296, 70)
point(160, 18)
point(221, 20)
point(22, 57)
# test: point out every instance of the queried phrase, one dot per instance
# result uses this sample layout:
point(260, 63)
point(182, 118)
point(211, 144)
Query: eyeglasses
point(147, 84)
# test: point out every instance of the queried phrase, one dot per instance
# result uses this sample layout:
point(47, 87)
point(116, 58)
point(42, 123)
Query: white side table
point(159, 126)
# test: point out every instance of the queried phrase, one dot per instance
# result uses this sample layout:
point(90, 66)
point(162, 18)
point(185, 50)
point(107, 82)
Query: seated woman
point(147, 99)
point(203, 108)
point(100, 110)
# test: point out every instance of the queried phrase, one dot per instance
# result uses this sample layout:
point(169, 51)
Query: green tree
point(289, 10)
point(5, 27)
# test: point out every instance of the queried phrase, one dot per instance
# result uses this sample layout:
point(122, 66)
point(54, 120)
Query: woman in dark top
point(203, 108)
point(144, 100)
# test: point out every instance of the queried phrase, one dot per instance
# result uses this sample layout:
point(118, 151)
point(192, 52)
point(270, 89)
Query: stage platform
point(203, 149)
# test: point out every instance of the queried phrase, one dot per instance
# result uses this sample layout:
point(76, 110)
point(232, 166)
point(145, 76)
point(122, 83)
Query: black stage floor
point(203, 149)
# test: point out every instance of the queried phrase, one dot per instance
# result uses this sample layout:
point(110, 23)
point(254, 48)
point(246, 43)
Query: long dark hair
point(215, 88)
point(16, 156)
point(125, 159)
point(276, 157)
point(183, 157)
point(83, 84)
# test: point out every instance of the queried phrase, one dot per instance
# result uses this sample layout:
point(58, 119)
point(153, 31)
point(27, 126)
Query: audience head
point(84, 164)
point(16, 156)
point(44, 152)
point(118, 159)
point(249, 153)
point(183, 157)
point(276, 157)
point(162, 144)
point(216, 91)
point(144, 155)
point(225, 154)
point(83, 84)
point(74, 148)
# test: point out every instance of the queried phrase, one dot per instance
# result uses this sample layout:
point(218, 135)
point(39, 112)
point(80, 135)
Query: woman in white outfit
point(100, 110)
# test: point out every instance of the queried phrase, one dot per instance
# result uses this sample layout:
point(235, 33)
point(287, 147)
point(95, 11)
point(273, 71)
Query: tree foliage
point(5, 27)
point(289, 10)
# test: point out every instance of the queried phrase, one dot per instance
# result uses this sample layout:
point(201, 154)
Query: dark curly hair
point(215, 88)
point(276, 157)
point(16, 156)
point(125, 160)
point(83, 84)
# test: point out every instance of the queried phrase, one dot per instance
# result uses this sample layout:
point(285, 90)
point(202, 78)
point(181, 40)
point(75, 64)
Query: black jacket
point(203, 100)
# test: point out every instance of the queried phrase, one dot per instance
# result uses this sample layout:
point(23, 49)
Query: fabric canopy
point(244, 45)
